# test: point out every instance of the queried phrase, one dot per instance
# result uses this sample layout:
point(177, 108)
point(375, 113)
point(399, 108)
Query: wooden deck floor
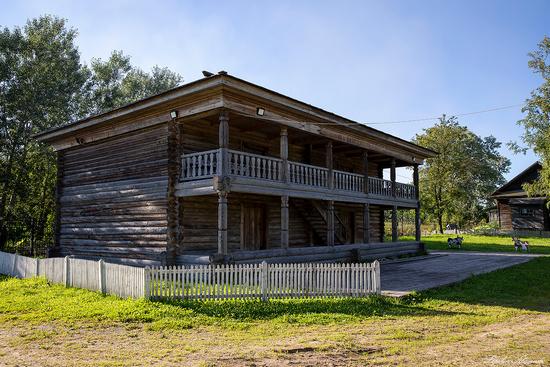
point(442, 268)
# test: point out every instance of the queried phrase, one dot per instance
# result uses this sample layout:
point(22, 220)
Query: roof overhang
point(316, 119)
point(501, 191)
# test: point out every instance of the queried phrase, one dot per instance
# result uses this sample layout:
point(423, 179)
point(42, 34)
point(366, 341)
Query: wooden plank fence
point(118, 280)
point(202, 282)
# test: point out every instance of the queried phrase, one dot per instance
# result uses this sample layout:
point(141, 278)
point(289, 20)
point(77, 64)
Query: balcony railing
point(196, 166)
point(254, 166)
point(306, 174)
point(203, 165)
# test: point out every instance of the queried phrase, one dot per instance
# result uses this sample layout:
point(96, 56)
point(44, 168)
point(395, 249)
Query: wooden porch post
point(394, 223)
point(222, 223)
point(330, 223)
point(284, 221)
point(394, 208)
point(330, 203)
point(366, 223)
point(330, 162)
point(392, 178)
point(284, 198)
point(284, 153)
point(417, 208)
point(366, 172)
point(223, 137)
point(172, 210)
point(223, 166)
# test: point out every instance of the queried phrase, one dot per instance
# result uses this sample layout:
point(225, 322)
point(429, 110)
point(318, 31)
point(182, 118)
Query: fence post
point(101, 276)
point(147, 283)
point(264, 281)
point(377, 283)
point(66, 271)
point(14, 265)
point(37, 270)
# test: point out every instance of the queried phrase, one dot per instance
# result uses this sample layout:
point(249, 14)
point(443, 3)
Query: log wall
point(536, 221)
point(505, 214)
point(113, 198)
point(198, 226)
point(115, 202)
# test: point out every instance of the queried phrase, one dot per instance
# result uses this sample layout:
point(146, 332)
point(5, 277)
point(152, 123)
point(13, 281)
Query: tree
point(43, 84)
point(455, 185)
point(40, 79)
point(115, 82)
point(537, 120)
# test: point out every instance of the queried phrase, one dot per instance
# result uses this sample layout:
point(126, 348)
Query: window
point(526, 212)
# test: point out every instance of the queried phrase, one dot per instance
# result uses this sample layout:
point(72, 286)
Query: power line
point(437, 118)
point(387, 122)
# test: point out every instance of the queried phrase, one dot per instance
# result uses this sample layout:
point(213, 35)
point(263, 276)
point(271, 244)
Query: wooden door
point(345, 226)
point(253, 227)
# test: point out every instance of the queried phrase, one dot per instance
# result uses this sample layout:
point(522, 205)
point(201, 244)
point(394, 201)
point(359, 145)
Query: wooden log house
point(223, 170)
point(515, 209)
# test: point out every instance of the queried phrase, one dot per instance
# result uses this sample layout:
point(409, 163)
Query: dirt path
point(521, 341)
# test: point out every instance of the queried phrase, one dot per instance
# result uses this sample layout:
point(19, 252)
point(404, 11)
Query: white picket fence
point(120, 280)
point(202, 282)
point(264, 281)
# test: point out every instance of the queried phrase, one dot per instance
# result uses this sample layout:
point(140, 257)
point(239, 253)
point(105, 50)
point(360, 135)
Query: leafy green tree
point(537, 120)
point(40, 79)
point(115, 82)
point(43, 84)
point(455, 185)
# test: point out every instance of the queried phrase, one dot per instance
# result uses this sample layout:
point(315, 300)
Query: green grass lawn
point(502, 315)
point(484, 243)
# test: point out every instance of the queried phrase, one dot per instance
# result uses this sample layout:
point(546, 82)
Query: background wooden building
point(516, 210)
point(221, 169)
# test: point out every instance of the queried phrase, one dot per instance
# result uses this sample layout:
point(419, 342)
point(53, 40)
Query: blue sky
point(369, 61)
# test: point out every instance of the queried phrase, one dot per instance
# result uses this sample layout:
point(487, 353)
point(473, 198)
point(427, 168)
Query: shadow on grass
point(523, 286)
point(312, 308)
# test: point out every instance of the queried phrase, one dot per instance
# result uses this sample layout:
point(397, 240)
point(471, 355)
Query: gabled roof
point(513, 188)
point(225, 81)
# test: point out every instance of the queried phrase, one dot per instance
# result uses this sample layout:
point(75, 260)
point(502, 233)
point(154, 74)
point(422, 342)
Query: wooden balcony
point(252, 173)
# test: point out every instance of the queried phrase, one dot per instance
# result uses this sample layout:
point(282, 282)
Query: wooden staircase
point(314, 216)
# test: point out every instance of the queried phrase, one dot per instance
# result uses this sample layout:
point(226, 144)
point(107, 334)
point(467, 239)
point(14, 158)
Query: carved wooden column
point(174, 165)
point(222, 223)
point(284, 153)
point(394, 236)
point(366, 223)
point(330, 223)
point(222, 184)
point(330, 203)
point(392, 178)
point(284, 221)
point(416, 182)
point(284, 177)
point(330, 162)
point(366, 172)
point(366, 206)
point(223, 137)
point(394, 208)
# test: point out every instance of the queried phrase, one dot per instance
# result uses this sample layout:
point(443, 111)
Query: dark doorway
point(253, 227)
point(345, 226)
